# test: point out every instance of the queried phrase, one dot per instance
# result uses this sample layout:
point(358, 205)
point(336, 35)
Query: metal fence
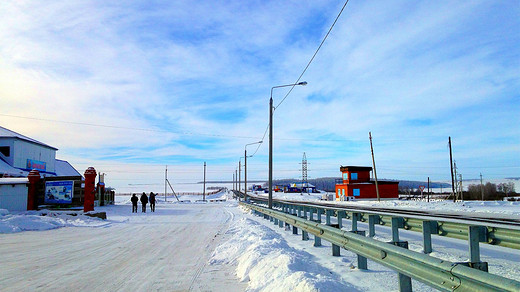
point(437, 273)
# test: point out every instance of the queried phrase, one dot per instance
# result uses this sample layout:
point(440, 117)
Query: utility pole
point(451, 167)
point(165, 180)
point(236, 177)
point(239, 174)
point(204, 186)
point(245, 174)
point(374, 164)
point(270, 198)
point(428, 189)
point(233, 181)
point(456, 179)
point(481, 187)
point(460, 188)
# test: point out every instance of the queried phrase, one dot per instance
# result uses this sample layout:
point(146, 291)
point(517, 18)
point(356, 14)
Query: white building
point(20, 154)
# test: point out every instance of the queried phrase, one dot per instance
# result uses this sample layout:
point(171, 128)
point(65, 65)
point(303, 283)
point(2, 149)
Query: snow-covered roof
point(13, 180)
point(5, 168)
point(6, 133)
point(63, 168)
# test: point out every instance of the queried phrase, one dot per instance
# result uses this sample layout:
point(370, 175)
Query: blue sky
point(178, 83)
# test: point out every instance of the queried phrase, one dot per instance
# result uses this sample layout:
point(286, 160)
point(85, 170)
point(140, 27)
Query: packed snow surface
point(206, 246)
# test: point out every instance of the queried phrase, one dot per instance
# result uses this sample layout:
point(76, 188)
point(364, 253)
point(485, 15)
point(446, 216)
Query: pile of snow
point(44, 220)
point(265, 260)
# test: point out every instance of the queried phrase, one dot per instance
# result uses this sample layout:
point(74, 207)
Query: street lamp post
point(271, 109)
point(239, 176)
point(245, 167)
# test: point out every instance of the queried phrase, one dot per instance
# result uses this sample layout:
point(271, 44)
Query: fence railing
point(494, 234)
point(437, 273)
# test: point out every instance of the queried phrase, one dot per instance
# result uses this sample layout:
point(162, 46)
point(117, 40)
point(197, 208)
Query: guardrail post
point(355, 218)
point(280, 223)
point(476, 234)
point(275, 221)
point(340, 218)
point(335, 248)
point(317, 239)
point(397, 222)
point(405, 282)
point(294, 228)
point(362, 261)
point(428, 227)
point(327, 217)
point(320, 212)
point(305, 235)
point(372, 221)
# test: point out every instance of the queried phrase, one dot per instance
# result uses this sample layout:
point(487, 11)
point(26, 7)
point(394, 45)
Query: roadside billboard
point(59, 192)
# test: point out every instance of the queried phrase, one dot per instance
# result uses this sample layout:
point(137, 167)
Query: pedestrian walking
point(152, 201)
point(144, 201)
point(134, 200)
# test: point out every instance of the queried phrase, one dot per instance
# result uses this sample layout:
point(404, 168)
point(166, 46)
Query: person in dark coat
point(152, 201)
point(144, 201)
point(134, 200)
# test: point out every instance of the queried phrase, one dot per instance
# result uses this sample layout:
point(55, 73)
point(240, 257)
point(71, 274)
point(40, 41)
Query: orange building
point(356, 184)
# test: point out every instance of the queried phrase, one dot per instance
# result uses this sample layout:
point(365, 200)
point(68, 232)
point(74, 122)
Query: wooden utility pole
point(204, 185)
point(374, 164)
point(451, 167)
point(481, 187)
point(428, 189)
point(460, 188)
point(165, 180)
point(239, 174)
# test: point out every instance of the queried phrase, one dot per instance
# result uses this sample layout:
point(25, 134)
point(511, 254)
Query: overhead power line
point(315, 53)
point(131, 128)
point(305, 70)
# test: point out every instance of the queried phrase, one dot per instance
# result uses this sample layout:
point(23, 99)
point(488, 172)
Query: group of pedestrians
point(144, 200)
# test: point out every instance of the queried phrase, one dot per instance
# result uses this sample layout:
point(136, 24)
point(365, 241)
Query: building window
point(5, 150)
point(343, 192)
point(356, 192)
point(353, 176)
point(345, 176)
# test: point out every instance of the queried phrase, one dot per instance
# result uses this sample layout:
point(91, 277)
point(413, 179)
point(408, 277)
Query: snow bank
point(44, 220)
point(268, 263)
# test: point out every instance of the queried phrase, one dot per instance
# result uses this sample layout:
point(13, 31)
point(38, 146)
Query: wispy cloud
point(198, 74)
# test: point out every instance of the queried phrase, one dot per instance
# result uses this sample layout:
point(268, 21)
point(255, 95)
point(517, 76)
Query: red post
point(34, 178)
point(90, 189)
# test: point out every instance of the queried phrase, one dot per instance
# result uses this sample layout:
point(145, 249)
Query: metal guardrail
point(437, 273)
point(489, 233)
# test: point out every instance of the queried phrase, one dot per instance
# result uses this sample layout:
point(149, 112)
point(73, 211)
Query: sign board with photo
point(59, 192)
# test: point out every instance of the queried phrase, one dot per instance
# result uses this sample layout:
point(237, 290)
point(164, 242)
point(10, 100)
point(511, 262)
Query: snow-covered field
point(204, 246)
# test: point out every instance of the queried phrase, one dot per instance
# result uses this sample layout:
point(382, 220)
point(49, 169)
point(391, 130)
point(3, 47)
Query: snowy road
point(167, 250)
